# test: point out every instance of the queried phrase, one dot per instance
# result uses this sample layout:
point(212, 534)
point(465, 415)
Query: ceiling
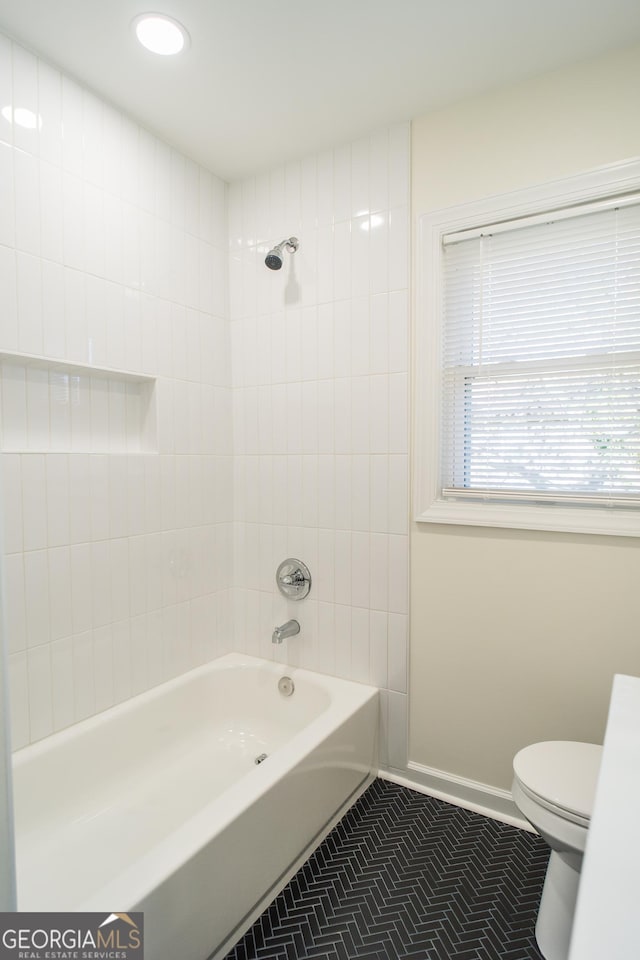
point(266, 81)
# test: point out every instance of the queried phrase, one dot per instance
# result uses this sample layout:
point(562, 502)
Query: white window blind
point(541, 358)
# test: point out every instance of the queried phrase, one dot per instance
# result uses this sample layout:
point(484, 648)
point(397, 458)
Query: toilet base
point(557, 906)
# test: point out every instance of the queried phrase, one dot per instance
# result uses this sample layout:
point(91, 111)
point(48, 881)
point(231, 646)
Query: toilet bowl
point(553, 787)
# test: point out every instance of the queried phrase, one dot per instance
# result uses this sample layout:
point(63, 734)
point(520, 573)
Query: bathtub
point(158, 805)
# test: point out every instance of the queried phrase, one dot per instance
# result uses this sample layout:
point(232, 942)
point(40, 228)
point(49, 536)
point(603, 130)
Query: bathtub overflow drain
point(286, 686)
point(260, 757)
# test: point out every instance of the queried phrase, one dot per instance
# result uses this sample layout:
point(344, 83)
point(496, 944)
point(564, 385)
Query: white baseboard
point(470, 794)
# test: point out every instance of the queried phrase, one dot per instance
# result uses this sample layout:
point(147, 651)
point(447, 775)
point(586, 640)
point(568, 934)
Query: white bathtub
point(158, 805)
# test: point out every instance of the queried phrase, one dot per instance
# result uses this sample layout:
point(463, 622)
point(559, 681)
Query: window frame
point(429, 505)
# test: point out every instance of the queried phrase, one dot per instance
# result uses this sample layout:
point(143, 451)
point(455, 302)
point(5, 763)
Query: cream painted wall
point(516, 635)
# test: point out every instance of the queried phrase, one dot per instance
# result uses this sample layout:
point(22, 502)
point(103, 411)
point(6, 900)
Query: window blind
point(541, 357)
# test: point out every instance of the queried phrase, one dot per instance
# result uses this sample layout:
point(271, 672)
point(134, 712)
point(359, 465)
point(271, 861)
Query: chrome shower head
point(274, 258)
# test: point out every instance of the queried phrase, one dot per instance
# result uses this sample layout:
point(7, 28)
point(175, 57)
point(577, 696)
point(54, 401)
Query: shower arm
point(291, 244)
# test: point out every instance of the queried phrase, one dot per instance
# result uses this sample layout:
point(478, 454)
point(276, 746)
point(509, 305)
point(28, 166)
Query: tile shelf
point(73, 368)
point(68, 407)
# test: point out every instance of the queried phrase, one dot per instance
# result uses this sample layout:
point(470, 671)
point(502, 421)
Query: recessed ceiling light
point(160, 34)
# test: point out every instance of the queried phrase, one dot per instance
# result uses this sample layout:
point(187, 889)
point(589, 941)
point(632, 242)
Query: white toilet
point(554, 787)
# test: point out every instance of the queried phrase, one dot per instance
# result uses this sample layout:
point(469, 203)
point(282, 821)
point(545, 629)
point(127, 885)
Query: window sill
point(609, 521)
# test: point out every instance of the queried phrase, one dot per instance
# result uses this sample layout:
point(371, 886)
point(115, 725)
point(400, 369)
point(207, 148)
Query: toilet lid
point(562, 773)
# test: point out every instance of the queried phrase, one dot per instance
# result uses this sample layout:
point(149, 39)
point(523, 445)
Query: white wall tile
point(84, 699)
point(398, 494)
point(8, 295)
point(118, 507)
point(379, 479)
point(342, 568)
point(343, 467)
point(119, 578)
point(325, 352)
point(103, 667)
point(361, 566)
point(342, 339)
point(342, 416)
point(54, 345)
point(29, 290)
point(57, 500)
point(25, 95)
point(360, 493)
point(12, 488)
point(326, 642)
point(324, 166)
point(378, 647)
point(140, 654)
point(19, 700)
point(342, 260)
point(79, 498)
point(62, 687)
point(398, 248)
point(294, 490)
point(398, 413)
point(360, 257)
point(40, 692)
point(73, 221)
point(14, 406)
point(342, 660)
point(50, 110)
point(324, 260)
point(360, 648)
point(398, 574)
point(379, 171)
point(16, 620)
point(99, 468)
point(399, 170)
point(27, 200)
point(342, 183)
point(360, 415)
point(360, 337)
point(36, 587)
point(379, 571)
point(97, 319)
point(398, 332)
point(60, 607)
point(75, 316)
point(326, 492)
point(398, 650)
point(101, 599)
point(309, 414)
point(6, 88)
point(34, 501)
point(7, 196)
point(379, 253)
point(360, 191)
point(81, 602)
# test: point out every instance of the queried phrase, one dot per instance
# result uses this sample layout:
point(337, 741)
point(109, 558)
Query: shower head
point(274, 258)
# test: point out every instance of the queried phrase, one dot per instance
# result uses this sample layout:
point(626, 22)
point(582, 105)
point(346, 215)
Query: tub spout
point(288, 629)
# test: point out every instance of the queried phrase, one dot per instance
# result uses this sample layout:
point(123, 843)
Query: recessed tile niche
point(69, 407)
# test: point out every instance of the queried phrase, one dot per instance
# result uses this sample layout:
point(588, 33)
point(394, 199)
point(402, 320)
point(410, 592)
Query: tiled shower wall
point(118, 499)
point(320, 376)
point(123, 565)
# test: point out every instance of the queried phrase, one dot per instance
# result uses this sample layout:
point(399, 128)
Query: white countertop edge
point(606, 920)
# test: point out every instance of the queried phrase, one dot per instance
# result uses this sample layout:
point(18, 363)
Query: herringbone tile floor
point(406, 876)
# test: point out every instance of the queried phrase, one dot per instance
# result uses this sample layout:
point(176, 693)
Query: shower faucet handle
point(293, 579)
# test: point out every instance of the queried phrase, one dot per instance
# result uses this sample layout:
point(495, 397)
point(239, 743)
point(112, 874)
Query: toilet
point(554, 787)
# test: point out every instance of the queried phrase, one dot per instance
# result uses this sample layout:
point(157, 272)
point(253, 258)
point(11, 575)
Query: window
point(535, 365)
